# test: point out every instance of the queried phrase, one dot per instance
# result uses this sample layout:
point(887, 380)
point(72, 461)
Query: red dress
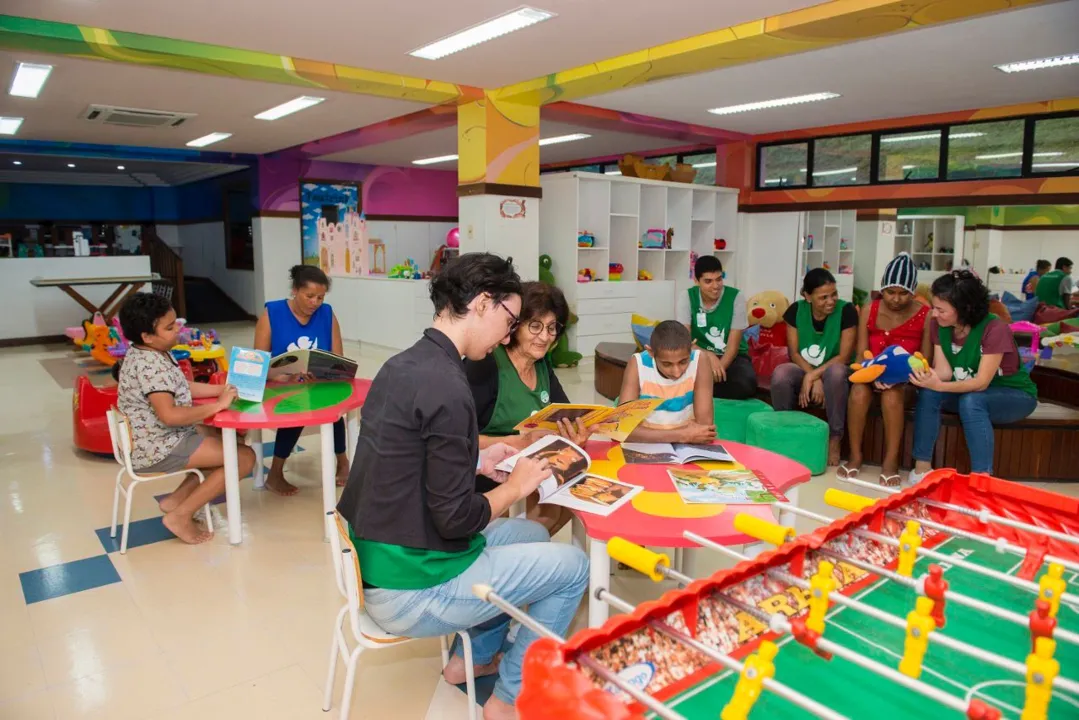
point(908, 335)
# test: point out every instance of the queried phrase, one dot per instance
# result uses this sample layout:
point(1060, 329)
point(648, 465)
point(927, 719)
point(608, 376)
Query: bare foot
point(278, 485)
point(454, 671)
point(833, 450)
point(171, 501)
point(184, 527)
point(342, 470)
point(496, 709)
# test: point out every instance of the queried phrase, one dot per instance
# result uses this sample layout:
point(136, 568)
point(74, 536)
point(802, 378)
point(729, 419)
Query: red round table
point(657, 516)
point(292, 405)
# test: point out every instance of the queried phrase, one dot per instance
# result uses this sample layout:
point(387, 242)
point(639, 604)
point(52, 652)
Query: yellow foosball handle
point(640, 559)
point(769, 532)
point(851, 502)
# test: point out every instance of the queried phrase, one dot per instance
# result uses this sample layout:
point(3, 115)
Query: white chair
point(368, 635)
point(120, 434)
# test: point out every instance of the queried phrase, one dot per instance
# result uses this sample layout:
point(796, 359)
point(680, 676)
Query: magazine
point(729, 487)
point(674, 454)
point(247, 373)
point(317, 364)
point(616, 423)
point(570, 484)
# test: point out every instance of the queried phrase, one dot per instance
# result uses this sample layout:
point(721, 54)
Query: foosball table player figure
point(948, 599)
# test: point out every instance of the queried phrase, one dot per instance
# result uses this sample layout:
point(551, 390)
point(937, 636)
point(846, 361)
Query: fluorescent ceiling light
point(563, 139)
point(71, 165)
point(512, 21)
point(996, 156)
point(909, 167)
point(836, 172)
point(292, 106)
point(707, 164)
point(433, 160)
point(779, 102)
point(9, 125)
point(909, 138)
point(773, 181)
point(17, 162)
point(209, 139)
point(29, 79)
point(119, 167)
point(1042, 64)
point(1056, 164)
point(961, 136)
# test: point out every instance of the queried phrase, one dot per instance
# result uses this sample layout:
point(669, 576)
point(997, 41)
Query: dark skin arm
point(701, 430)
point(173, 415)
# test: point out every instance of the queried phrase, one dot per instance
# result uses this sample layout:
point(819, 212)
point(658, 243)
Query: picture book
point(247, 372)
point(315, 364)
point(729, 487)
point(674, 454)
point(570, 484)
point(616, 423)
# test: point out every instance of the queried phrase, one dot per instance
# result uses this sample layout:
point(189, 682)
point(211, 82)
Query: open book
point(570, 484)
point(319, 364)
point(616, 423)
point(731, 487)
point(673, 454)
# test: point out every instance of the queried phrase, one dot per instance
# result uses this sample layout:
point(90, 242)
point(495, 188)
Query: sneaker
point(913, 478)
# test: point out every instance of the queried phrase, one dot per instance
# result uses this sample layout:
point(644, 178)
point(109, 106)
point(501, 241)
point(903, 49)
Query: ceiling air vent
point(134, 117)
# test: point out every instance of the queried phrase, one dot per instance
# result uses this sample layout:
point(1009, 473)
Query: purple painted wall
point(386, 190)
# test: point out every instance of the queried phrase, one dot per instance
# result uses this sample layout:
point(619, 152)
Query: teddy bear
point(766, 309)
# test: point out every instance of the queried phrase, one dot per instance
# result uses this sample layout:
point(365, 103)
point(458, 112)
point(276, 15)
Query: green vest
point(1048, 289)
point(515, 400)
point(965, 362)
point(712, 333)
point(394, 567)
point(817, 348)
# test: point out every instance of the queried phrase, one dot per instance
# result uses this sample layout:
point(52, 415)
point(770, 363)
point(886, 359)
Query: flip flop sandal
point(889, 481)
point(847, 473)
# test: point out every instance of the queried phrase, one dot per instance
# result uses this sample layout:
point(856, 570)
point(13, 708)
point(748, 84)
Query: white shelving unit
point(618, 211)
point(935, 242)
point(828, 241)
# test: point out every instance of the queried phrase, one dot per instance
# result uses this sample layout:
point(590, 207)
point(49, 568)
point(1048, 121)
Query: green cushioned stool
point(730, 416)
point(793, 434)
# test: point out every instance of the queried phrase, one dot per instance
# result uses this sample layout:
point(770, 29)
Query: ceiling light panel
point(209, 139)
point(433, 160)
point(10, 125)
point(28, 80)
point(512, 21)
point(292, 106)
point(1041, 64)
point(778, 102)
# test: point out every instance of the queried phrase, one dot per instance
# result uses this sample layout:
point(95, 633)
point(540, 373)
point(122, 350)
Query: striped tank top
point(677, 395)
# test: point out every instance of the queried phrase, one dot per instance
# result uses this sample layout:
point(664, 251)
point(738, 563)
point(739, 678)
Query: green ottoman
point(793, 434)
point(730, 417)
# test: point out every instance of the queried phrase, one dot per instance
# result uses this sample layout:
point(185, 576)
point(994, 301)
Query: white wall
point(410, 239)
point(170, 234)
point(30, 311)
point(203, 250)
point(483, 229)
point(770, 242)
point(1021, 249)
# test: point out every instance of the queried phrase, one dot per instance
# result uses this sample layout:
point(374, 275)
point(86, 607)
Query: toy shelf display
point(828, 242)
point(935, 242)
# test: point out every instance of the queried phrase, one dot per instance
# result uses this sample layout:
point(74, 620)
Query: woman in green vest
point(977, 372)
point(821, 331)
point(1054, 287)
point(517, 379)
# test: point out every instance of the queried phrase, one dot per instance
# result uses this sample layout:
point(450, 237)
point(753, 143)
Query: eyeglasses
point(536, 327)
point(515, 320)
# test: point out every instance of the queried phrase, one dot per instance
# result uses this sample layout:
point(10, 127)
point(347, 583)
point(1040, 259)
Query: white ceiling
point(379, 35)
point(444, 142)
point(936, 69)
point(54, 170)
point(222, 104)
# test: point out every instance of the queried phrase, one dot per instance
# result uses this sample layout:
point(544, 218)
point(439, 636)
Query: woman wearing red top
point(894, 319)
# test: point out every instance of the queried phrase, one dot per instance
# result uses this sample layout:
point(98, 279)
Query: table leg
point(115, 294)
point(77, 297)
point(329, 478)
point(689, 561)
point(232, 485)
point(260, 472)
point(678, 558)
point(352, 434)
point(599, 576)
point(787, 518)
point(578, 537)
point(108, 312)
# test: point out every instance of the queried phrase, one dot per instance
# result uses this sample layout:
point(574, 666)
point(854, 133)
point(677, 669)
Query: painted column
point(498, 180)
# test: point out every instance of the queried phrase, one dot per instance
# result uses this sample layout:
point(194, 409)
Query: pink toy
point(1029, 356)
point(584, 275)
point(453, 238)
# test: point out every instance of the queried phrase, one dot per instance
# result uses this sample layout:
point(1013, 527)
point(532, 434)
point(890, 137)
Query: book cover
point(616, 423)
point(729, 487)
point(248, 370)
point(313, 364)
point(674, 454)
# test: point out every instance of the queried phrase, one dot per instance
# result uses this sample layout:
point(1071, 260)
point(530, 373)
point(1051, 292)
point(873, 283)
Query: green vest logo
point(545, 397)
point(814, 355)
point(718, 338)
point(962, 373)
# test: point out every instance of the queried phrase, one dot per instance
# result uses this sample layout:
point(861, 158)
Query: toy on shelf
point(809, 242)
point(845, 270)
point(653, 239)
point(585, 239)
point(614, 271)
point(585, 275)
point(826, 266)
point(720, 244)
point(408, 270)
point(560, 354)
point(635, 166)
point(378, 256)
point(843, 244)
point(644, 275)
point(892, 366)
point(929, 243)
point(693, 256)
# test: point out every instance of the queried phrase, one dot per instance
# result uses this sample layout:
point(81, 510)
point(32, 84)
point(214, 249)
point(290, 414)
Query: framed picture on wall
point(333, 231)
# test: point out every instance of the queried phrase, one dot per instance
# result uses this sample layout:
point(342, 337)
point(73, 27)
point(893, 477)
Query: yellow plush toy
point(766, 309)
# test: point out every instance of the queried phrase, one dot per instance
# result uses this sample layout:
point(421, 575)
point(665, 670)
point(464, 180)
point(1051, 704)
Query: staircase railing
point(167, 263)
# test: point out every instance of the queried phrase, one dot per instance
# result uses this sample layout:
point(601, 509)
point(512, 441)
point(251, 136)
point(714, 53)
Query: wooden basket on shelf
point(635, 166)
point(683, 173)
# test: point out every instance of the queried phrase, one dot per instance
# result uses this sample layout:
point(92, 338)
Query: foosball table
point(943, 600)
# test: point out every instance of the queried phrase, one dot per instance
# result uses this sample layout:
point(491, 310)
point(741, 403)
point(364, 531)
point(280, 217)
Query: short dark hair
point(670, 335)
point(538, 299)
point(966, 293)
point(1063, 262)
point(140, 314)
point(707, 264)
point(302, 275)
point(816, 278)
point(471, 275)
point(1043, 265)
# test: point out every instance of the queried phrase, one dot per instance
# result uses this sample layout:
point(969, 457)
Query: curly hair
point(966, 293)
point(140, 314)
point(471, 275)
point(538, 299)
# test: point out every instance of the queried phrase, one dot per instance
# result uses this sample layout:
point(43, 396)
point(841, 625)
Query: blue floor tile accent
point(68, 578)
point(485, 687)
point(139, 533)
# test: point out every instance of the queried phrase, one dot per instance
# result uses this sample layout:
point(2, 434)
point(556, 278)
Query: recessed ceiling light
point(29, 79)
point(71, 165)
point(433, 160)
point(563, 139)
point(1041, 64)
point(496, 27)
point(119, 167)
point(779, 102)
point(209, 139)
point(835, 172)
point(9, 125)
point(292, 106)
point(17, 162)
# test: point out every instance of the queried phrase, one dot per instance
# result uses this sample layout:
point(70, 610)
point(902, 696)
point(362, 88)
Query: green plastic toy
point(561, 355)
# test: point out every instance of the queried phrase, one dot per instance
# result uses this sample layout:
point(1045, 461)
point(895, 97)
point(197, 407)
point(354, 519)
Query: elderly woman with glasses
point(517, 379)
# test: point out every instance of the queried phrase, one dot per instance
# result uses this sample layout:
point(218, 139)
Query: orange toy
point(99, 338)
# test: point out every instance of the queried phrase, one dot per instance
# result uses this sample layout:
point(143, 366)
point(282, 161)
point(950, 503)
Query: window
point(705, 163)
point(911, 155)
point(985, 150)
point(783, 166)
point(842, 160)
point(239, 239)
point(1056, 145)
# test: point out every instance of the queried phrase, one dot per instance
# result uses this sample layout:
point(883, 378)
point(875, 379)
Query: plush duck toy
point(891, 367)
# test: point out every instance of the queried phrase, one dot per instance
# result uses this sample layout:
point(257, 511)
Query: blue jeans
point(285, 440)
point(978, 411)
point(522, 566)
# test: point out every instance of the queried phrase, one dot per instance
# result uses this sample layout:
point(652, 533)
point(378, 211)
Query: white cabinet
point(935, 242)
point(828, 241)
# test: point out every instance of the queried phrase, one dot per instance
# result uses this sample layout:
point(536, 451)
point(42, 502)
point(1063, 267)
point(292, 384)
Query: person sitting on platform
point(1030, 282)
point(976, 372)
point(423, 535)
point(715, 314)
point(821, 331)
point(671, 369)
point(893, 319)
point(1055, 288)
point(303, 321)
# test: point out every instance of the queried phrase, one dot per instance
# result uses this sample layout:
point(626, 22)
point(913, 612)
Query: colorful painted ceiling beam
point(436, 117)
point(80, 41)
point(812, 28)
point(123, 152)
point(625, 122)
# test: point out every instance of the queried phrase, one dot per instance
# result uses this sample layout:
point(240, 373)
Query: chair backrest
point(120, 434)
point(346, 561)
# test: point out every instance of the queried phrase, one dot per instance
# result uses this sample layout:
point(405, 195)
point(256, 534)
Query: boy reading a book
point(670, 369)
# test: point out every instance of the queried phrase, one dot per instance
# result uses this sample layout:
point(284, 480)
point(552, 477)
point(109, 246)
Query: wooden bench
point(1044, 446)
